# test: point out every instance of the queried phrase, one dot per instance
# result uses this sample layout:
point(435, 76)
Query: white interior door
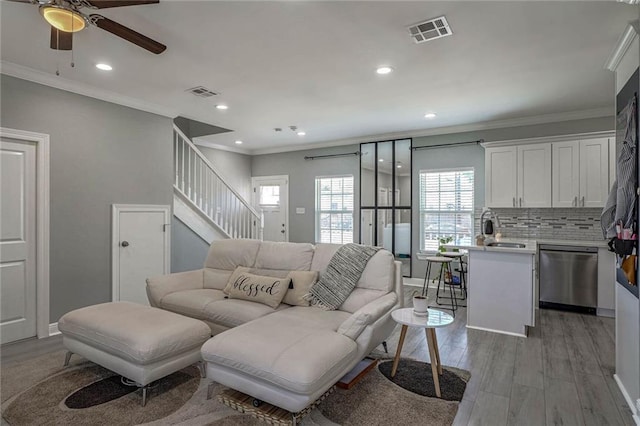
point(17, 241)
point(271, 195)
point(141, 249)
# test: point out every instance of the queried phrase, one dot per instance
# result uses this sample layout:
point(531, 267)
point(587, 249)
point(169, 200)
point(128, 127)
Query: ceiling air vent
point(201, 91)
point(430, 30)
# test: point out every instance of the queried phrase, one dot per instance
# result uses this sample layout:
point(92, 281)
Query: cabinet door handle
point(583, 201)
point(514, 201)
point(520, 201)
point(574, 203)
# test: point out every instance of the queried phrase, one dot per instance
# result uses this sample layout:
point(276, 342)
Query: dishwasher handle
point(574, 249)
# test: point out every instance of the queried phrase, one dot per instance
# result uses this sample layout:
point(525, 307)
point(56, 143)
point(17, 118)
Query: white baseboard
point(509, 333)
point(53, 329)
point(603, 312)
point(627, 398)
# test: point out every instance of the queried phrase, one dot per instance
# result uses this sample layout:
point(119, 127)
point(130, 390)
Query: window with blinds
point(446, 207)
point(334, 209)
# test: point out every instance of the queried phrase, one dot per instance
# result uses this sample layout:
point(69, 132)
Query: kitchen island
point(501, 294)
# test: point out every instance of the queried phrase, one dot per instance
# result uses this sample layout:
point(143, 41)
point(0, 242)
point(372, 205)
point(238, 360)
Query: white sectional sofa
point(288, 355)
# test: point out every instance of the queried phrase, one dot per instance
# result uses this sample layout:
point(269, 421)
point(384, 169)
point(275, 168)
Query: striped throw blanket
point(342, 275)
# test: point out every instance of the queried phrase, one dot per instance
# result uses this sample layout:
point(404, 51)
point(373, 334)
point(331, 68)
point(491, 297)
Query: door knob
point(125, 244)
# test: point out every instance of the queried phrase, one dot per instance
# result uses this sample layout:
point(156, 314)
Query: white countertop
point(530, 245)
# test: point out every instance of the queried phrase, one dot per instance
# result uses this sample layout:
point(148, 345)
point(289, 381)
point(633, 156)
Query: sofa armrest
point(367, 315)
point(160, 286)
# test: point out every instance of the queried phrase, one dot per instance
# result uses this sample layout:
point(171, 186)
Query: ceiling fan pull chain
point(57, 61)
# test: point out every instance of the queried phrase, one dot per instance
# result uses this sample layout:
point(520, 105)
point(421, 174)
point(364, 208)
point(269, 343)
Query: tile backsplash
point(548, 223)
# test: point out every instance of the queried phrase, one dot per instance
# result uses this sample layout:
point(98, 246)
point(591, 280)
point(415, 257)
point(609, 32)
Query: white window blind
point(334, 209)
point(446, 207)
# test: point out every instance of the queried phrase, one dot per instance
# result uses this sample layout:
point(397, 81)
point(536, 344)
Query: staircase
point(199, 186)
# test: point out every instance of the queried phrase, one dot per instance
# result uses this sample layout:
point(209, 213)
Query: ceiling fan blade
point(103, 4)
point(61, 40)
point(127, 34)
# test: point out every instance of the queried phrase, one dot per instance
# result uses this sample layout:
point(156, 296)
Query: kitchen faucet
point(491, 214)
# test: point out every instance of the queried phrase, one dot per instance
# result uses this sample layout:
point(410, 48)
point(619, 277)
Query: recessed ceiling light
point(238, 142)
point(384, 70)
point(104, 67)
point(430, 115)
point(381, 160)
point(222, 106)
point(399, 166)
point(302, 133)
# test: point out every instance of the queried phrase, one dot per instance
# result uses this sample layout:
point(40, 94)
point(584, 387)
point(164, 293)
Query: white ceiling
point(312, 64)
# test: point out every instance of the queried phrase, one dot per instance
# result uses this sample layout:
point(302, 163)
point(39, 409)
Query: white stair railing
point(200, 184)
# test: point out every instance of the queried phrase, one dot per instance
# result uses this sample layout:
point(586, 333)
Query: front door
point(271, 195)
point(141, 249)
point(17, 240)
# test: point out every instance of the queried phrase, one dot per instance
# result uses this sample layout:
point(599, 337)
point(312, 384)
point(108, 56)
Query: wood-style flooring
point(562, 374)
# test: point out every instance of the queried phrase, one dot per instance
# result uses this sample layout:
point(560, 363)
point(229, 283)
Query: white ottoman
point(138, 342)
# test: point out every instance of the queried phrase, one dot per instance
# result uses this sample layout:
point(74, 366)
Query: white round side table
point(435, 319)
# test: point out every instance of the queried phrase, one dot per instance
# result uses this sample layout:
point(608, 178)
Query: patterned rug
point(41, 391)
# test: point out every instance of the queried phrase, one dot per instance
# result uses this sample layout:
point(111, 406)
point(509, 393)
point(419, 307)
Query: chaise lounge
point(291, 353)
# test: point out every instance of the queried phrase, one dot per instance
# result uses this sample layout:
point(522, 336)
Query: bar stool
point(461, 270)
point(445, 266)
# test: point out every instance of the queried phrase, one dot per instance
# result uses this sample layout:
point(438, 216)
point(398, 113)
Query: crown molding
point(623, 44)
point(487, 125)
point(52, 80)
point(547, 139)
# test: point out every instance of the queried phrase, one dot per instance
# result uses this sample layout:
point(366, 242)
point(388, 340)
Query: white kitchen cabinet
point(580, 173)
point(518, 176)
point(533, 175)
point(612, 161)
point(500, 174)
point(565, 174)
point(594, 172)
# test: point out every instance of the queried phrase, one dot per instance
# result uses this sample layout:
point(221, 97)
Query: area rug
point(41, 391)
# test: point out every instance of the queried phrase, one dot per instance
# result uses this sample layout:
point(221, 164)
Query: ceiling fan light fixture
point(62, 18)
point(104, 67)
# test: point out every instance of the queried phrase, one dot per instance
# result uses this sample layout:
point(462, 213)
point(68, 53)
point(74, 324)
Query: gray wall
point(101, 154)
point(234, 167)
point(188, 250)
point(302, 174)
point(473, 156)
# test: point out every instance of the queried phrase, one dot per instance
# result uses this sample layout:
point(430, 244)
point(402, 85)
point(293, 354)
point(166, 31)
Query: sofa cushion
point(137, 333)
point(284, 256)
point(297, 348)
point(235, 312)
point(229, 254)
point(301, 281)
point(216, 278)
point(191, 303)
point(258, 288)
point(360, 297)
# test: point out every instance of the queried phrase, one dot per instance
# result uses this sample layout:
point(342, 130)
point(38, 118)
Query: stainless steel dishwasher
point(569, 277)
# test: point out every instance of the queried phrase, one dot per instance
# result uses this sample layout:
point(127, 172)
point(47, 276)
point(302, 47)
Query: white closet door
point(17, 241)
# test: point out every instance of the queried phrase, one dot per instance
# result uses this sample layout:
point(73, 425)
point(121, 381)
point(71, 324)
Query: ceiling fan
point(65, 18)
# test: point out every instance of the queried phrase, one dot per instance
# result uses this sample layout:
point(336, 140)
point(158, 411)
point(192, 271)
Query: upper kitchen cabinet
point(580, 173)
point(518, 176)
point(534, 175)
point(500, 176)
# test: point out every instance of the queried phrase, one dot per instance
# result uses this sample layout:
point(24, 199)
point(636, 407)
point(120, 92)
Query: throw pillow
point(234, 276)
point(301, 283)
point(256, 288)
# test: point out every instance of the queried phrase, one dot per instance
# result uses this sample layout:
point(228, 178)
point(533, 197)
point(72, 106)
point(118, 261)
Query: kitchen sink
point(509, 245)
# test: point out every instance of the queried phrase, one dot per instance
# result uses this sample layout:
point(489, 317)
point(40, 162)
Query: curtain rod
point(348, 154)
point(415, 148)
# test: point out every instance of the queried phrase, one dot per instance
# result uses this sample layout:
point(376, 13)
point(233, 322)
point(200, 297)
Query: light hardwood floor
point(560, 375)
